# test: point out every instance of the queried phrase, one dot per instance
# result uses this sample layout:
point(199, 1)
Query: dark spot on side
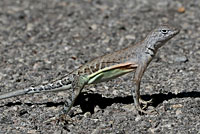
point(59, 84)
point(47, 87)
point(40, 88)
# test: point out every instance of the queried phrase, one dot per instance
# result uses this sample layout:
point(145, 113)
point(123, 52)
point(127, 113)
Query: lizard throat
point(150, 51)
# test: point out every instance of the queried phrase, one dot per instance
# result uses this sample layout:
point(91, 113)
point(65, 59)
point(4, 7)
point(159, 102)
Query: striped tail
point(60, 85)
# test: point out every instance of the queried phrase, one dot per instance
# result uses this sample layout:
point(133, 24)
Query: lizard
point(134, 58)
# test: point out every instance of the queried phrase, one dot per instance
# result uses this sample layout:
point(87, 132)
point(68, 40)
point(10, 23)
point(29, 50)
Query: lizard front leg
point(136, 89)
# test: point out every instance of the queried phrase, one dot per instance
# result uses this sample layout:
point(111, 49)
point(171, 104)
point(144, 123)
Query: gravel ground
point(44, 40)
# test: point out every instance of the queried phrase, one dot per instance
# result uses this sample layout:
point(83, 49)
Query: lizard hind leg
point(63, 116)
point(78, 84)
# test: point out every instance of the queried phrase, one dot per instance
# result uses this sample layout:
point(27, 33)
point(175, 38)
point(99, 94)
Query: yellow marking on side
point(127, 65)
point(109, 75)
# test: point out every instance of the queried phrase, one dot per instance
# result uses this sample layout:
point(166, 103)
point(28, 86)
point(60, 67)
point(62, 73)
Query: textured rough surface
point(44, 40)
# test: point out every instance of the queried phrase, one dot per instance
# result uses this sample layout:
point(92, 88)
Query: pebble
point(181, 59)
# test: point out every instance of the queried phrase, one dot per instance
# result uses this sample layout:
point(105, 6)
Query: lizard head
point(160, 35)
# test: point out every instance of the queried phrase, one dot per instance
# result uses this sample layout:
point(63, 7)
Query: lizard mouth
point(176, 31)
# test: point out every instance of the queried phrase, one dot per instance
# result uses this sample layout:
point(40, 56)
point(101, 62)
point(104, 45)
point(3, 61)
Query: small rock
point(93, 27)
point(121, 41)
point(181, 59)
point(129, 108)
point(178, 112)
point(177, 106)
point(29, 27)
point(87, 114)
point(93, 89)
point(32, 132)
point(115, 92)
point(138, 118)
point(181, 10)
point(106, 87)
point(2, 75)
point(132, 37)
point(96, 109)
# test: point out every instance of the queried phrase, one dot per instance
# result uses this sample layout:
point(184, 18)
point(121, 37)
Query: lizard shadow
point(88, 101)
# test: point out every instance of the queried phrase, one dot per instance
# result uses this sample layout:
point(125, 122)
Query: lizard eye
point(164, 31)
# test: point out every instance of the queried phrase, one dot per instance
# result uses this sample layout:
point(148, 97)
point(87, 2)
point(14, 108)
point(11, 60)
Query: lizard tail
point(51, 87)
point(12, 94)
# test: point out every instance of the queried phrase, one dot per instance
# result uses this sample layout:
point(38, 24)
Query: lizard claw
point(153, 111)
point(144, 106)
point(145, 103)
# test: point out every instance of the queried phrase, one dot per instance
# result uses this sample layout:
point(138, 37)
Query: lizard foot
point(153, 111)
point(145, 103)
point(60, 119)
